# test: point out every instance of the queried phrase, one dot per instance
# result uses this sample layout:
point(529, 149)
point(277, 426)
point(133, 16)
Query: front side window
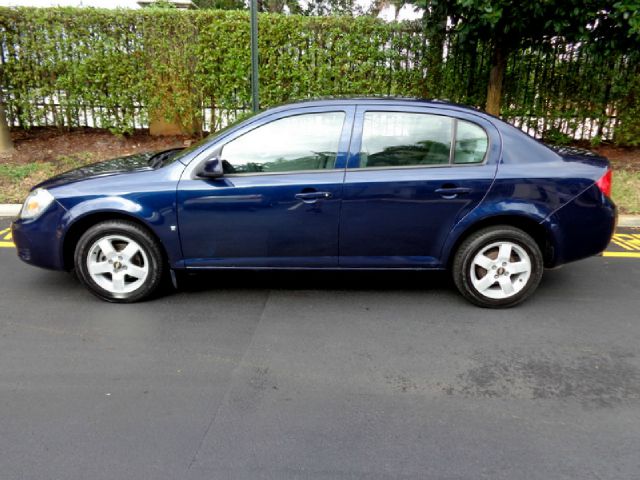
point(300, 142)
point(400, 139)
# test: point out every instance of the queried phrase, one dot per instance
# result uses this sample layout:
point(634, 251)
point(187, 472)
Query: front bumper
point(39, 241)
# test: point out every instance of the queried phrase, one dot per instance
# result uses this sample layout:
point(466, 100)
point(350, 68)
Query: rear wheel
point(119, 261)
point(498, 267)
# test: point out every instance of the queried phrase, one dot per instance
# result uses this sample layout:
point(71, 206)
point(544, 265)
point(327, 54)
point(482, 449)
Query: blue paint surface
point(390, 217)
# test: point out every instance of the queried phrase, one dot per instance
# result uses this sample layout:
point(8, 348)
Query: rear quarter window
point(471, 143)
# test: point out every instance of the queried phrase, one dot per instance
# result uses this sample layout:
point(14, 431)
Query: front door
point(278, 202)
point(413, 173)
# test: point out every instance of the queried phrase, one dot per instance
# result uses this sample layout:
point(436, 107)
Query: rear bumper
point(39, 241)
point(581, 228)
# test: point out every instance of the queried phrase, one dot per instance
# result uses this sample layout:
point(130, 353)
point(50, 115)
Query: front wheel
point(498, 267)
point(119, 261)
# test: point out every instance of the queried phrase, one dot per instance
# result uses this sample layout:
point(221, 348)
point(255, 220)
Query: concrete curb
point(629, 221)
point(12, 210)
point(9, 209)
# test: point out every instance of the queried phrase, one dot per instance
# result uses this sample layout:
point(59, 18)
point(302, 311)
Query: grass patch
point(69, 162)
point(626, 191)
point(16, 179)
point(17, 173)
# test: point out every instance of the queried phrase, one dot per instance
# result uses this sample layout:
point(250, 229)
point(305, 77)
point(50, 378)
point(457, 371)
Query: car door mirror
point(211, 168)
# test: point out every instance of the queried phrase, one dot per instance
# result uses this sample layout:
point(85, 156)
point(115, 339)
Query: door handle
point(452, 192)
point(311, 197)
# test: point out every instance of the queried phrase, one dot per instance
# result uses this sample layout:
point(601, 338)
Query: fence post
point(255, 102)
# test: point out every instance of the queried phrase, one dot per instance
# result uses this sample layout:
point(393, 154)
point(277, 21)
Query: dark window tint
point(299, 142)
point(398, 139)
point(471, 143)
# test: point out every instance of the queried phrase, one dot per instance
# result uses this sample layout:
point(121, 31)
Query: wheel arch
point(76, 229)
point(540, 234)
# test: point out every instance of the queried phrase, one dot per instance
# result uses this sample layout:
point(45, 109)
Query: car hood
point(131, 163)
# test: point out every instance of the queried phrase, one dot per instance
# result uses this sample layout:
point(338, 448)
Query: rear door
point(413, 173)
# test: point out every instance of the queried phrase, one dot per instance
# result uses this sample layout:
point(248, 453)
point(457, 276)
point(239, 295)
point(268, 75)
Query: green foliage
point(221, 4)
point(19, 172)
point(555, 137)
point(115, 68)
point(507, 26)
point(627, 13)
point(628, 131)
point(124, 65)
point(521, 24)
point(161, 4)
point(596, 141)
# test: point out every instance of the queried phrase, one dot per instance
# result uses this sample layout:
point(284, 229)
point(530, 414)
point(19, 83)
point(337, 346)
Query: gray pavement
point(321, 375)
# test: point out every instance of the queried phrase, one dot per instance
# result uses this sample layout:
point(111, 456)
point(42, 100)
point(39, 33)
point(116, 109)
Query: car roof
point(373, 100)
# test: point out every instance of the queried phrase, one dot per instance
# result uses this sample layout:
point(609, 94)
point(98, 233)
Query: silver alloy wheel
point(118, 264)
point(500, 270)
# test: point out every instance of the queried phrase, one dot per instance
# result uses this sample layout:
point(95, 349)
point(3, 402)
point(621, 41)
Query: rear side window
point(399, 139)
point(403, 139)
point(471, 143)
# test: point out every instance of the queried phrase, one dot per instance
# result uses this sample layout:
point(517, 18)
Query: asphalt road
point(322, 376)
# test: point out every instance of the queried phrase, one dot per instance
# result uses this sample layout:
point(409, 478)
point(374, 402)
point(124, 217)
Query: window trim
point(454, 138)
point(454, 133)
point(290, 172)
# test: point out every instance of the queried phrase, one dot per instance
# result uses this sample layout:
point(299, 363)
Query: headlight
point(36, 203)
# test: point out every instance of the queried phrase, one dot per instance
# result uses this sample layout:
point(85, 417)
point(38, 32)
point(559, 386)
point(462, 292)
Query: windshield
point(183, 153)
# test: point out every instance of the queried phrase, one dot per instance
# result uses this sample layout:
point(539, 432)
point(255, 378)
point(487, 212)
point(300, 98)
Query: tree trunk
point(6, 145)
point(160, 126)
point(496, 79)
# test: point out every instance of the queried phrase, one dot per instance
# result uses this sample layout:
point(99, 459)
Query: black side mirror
point(211, 168)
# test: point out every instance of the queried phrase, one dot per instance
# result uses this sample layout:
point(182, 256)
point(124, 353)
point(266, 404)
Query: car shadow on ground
point(193, 285)
point(315, 280)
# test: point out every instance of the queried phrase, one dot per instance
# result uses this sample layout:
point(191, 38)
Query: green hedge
point(114, 61)
point(111, 68)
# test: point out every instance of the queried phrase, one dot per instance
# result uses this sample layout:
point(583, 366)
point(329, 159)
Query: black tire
point(149, 257)
point(482, 239)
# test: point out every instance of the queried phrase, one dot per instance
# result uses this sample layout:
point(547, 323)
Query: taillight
point(604, 184)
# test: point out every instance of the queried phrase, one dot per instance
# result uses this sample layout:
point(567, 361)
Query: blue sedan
point(332, 184)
